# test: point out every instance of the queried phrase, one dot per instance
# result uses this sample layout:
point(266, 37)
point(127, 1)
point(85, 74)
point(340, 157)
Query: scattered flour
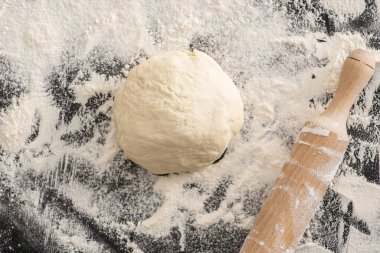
point(352, 8)
point(315, 130)
point(12, 133)
point(271, 65)
point(311, 248)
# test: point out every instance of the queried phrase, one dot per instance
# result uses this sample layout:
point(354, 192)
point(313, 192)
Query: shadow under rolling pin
point(314, 160)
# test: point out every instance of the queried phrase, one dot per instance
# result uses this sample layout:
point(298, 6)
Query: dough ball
point(177, 112)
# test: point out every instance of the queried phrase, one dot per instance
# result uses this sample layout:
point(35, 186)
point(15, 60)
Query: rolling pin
point(313, 163)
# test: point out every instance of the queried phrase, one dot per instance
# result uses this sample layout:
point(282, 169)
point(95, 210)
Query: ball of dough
point(177, 112)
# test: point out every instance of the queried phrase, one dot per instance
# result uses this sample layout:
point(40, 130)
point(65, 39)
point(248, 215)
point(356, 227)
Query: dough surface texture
point(177, 112)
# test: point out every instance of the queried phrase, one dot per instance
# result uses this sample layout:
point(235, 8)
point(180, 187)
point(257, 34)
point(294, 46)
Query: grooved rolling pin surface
point(315, 158)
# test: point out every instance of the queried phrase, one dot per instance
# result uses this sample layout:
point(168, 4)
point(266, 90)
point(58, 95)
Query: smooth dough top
point(177, 111)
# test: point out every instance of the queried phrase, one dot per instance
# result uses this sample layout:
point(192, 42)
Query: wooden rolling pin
point(314, 160)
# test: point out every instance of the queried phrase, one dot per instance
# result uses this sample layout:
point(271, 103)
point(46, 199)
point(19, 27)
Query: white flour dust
point(279, 70)
point(345, 8)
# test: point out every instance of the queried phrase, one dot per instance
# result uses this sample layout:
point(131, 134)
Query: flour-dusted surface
point(66, 187)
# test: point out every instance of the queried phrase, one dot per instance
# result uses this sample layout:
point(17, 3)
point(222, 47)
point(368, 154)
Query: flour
point(311, 248)
point(315, 130)
point(351, 8)
point(282, 73)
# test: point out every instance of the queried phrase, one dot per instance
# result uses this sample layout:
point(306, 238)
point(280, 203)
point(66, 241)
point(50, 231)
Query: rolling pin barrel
point(315, 157)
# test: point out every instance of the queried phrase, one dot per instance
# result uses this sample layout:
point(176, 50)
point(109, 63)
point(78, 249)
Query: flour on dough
point(177, 112)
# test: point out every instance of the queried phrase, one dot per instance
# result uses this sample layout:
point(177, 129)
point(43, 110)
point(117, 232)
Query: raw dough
point(177, 112)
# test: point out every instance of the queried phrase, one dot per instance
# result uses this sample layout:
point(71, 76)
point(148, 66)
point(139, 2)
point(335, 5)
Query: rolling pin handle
point(357, 70)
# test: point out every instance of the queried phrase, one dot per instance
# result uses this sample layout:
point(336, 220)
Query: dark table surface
point(21, 226)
